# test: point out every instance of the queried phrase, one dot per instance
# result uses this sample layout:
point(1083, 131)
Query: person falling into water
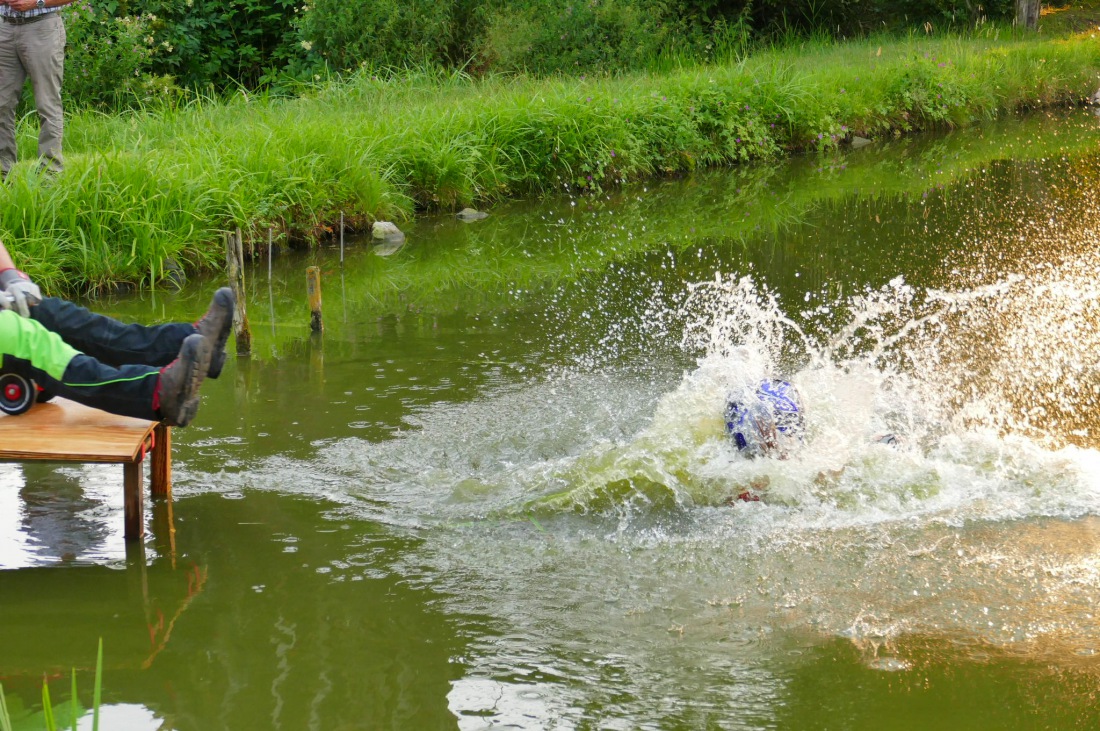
point(769, 421)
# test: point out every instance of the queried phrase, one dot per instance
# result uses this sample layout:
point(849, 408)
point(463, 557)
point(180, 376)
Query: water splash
point(944, 537)
point(986, 389)
point(989, 390)
point(987, 383)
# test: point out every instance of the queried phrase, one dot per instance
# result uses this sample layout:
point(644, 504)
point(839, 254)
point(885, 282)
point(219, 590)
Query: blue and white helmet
point(767, 421)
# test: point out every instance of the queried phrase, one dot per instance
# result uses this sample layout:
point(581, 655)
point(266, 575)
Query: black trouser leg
point(108, 340)
point(127, 390)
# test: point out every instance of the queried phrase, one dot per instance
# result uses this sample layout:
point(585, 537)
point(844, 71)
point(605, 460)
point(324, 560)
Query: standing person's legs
point(12, 78)
point(169, 394)
point(42, 51)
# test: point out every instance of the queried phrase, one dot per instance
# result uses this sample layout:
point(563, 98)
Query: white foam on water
point(959, 378)
point(991, 392)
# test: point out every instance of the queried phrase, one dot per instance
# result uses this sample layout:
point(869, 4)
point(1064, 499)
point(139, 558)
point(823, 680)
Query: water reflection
point(61, 514)
point(304, 623)
point(272, 617)
point(973, 688)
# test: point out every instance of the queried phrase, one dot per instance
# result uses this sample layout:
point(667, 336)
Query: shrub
point(565, 35)
point(853, 17)
point(128, 47)
point(346, 34)
point(217, 42)
point(107, 58)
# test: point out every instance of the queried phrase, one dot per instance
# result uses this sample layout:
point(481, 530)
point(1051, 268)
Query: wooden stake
point(313, 290)
point(234, 254)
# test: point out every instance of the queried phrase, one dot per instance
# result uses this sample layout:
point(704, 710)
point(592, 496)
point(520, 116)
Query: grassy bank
point(145, 189)
point(527, 247)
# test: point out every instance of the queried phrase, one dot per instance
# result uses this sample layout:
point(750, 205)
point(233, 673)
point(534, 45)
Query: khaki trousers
point(36, 50)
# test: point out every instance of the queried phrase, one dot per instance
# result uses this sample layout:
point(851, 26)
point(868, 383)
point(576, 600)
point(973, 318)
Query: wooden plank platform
point(64, 431)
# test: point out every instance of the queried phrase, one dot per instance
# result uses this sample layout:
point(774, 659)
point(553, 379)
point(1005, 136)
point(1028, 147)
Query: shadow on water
point(496, 490)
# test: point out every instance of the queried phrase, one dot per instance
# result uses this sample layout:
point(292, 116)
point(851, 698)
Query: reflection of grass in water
point(522, 251)
point(751, 204)
point(146, 187)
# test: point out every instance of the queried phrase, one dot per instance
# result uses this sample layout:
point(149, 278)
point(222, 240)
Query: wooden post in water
point(234, 254)
point(343, 292)
point(313, 289)
point(270, 286)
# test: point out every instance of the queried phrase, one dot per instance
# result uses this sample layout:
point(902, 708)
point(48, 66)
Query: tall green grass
point(146, 190)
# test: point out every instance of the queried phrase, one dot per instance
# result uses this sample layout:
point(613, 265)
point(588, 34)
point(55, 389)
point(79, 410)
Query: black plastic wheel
point(17, 393)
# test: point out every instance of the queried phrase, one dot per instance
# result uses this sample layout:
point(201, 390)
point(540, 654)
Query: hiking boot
point(215, 326)
point(178, 389)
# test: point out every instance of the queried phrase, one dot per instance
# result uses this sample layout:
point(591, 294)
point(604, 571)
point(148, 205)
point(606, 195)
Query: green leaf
point(97, 695)
point(47, 707)
point(5, 719)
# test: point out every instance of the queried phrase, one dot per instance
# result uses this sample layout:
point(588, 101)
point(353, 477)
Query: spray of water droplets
point(989, 392)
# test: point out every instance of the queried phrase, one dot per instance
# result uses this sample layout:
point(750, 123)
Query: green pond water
point(496, 492)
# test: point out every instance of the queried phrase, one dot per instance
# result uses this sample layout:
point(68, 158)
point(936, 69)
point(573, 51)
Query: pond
point(496, 492)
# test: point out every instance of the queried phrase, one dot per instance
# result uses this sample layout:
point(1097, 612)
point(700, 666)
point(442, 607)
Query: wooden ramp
point(65, 431)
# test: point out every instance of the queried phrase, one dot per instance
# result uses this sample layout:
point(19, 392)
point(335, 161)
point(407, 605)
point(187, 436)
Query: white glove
point(19, 292)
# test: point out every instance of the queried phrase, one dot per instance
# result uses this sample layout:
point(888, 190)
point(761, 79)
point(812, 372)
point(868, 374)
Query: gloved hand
point(18, 292)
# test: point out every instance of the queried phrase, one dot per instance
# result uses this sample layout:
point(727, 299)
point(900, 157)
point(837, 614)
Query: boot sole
point(189, 397)
point(187, 411)
point(217, 356)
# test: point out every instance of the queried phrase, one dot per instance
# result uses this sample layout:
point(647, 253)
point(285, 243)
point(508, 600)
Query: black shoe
point(180, 381)
point(215, 326)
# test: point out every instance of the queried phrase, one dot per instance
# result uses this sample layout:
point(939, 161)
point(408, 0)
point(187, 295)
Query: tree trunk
point(1027, 13)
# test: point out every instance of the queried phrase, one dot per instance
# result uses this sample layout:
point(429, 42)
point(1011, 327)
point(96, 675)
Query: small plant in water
point(27, 721)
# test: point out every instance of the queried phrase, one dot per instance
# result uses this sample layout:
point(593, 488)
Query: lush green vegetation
point(150, 188)
point(203, 44)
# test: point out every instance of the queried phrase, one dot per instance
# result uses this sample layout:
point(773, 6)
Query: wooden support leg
point(160, 475)
point(164, 530)
point(137, 584)
point(133, 477)
point(160, 470)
